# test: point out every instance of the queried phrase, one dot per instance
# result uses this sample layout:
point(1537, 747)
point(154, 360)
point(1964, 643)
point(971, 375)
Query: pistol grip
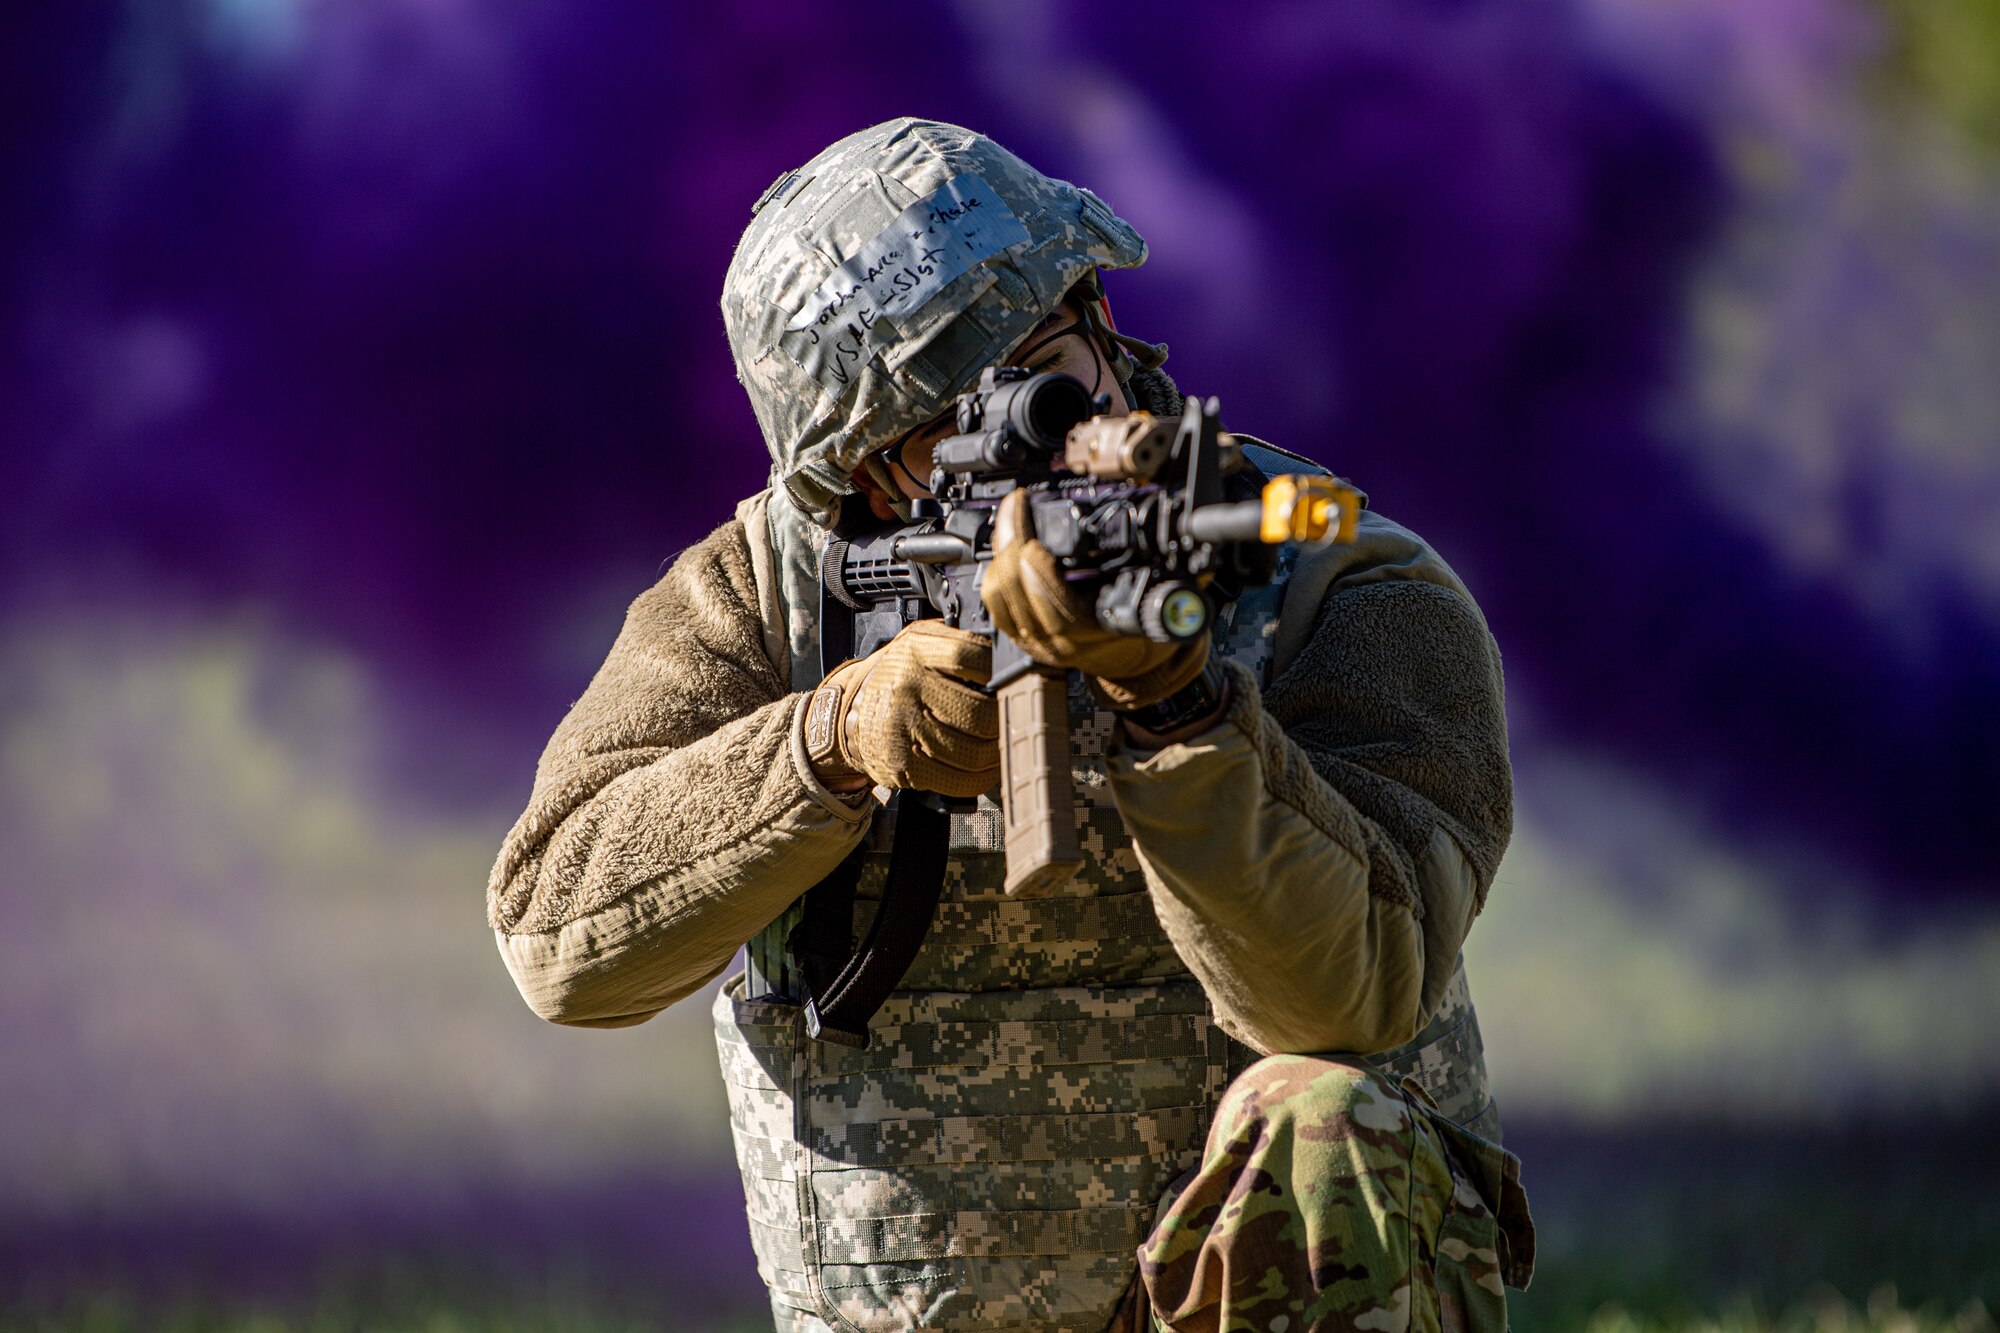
point(1035, 796)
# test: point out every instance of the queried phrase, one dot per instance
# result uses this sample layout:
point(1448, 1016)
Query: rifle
point(1135, 510)
point(1132, 507)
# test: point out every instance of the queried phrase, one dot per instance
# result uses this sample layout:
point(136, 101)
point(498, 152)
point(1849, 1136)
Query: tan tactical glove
point(910, 715)
point(1054, 624)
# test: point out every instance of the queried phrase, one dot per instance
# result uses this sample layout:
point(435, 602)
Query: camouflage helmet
point(875, 282)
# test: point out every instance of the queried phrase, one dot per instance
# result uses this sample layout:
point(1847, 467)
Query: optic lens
point(1184, 612)
point(1048, 406)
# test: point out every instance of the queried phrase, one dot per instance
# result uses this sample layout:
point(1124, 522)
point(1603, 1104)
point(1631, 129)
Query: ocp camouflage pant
point(1329, 1198)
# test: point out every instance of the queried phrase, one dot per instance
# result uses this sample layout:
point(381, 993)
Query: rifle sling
point(842, 991)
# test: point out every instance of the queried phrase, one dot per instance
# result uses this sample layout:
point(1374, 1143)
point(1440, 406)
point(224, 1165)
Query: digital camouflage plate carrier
point(1046, 1070)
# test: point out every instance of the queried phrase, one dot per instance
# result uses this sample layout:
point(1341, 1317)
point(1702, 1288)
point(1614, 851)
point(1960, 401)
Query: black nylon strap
point(838, 1006)
point(836, 628)
point(819, 943)
point(841, 988)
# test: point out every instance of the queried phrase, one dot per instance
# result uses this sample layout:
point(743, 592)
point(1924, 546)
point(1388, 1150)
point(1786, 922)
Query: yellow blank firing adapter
point(1307, 508)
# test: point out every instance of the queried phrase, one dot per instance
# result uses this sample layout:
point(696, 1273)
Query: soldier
point(1230, 1076)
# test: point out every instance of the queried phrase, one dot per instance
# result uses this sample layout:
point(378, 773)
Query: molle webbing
point(995, 1164)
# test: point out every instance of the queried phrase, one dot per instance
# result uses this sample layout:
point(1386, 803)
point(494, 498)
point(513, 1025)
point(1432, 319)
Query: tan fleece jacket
point(673, 814)
point(1316, 858)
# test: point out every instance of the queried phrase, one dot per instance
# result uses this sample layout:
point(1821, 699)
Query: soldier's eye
point(1061, 353)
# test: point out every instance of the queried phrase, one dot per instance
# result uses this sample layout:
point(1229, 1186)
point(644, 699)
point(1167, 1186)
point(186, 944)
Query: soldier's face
point(1063, 342)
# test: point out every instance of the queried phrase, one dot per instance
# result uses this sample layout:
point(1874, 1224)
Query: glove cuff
point(1200, 699)
point(822, 734)
point(1178, 671)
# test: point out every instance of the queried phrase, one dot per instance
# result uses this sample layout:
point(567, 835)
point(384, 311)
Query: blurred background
point(359, 362)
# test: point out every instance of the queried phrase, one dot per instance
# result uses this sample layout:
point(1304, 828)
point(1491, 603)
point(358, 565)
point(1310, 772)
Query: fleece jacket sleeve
point(674, 813)
point(1318, 856)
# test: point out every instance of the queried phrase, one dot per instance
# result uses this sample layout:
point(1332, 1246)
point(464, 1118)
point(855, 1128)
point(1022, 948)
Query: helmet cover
point(875, 283)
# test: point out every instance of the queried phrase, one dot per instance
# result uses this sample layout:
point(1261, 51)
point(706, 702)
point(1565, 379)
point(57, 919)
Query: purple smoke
point(400, 317)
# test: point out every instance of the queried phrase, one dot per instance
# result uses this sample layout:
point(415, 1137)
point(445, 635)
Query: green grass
point(1879, 1224)
point(1881, 1313)
point(1889, 1226)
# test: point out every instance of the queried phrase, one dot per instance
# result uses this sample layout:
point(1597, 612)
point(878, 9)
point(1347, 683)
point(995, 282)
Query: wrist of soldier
point(1188, 712)
point(1178, 671)
point(841, 783)
point(1140, 739)
point(824, 754)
